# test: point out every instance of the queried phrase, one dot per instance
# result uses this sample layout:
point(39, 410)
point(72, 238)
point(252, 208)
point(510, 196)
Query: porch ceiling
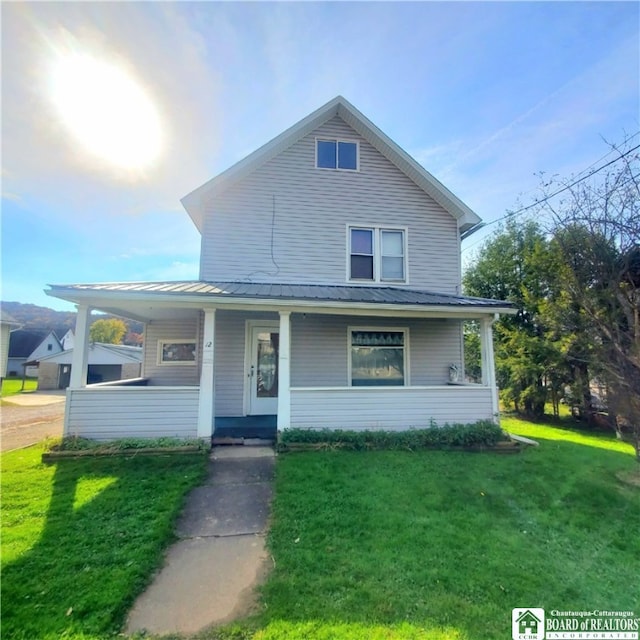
point(156, 300)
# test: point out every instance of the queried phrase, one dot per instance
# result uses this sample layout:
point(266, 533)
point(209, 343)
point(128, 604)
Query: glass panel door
point(263, 374)
point(267, 359)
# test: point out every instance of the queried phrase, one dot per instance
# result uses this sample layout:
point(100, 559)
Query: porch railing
point(111, 411)
point(389, 407)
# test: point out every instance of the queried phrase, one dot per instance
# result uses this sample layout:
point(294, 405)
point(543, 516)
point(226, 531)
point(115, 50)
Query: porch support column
point(488, 362)
point(206, 397)
point(80, 358)
point(284, 371)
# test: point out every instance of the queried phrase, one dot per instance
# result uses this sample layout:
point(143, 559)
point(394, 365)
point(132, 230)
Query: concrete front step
point(253, 442)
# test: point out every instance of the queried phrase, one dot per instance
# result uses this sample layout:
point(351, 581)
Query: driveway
point(29, 418)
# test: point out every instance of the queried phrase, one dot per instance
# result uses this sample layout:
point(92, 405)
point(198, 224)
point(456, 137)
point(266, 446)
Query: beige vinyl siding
point(229, 359)
point(320, 348)
point(388, 408)
point(308, 210)
point(181, 328)
point(109, 413)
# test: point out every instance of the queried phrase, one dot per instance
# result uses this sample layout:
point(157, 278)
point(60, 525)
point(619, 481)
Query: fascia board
point(396, 154)
point(194, 201)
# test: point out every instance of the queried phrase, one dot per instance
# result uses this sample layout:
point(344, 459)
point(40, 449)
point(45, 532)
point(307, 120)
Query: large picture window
point(377, 254)
point(377, 357)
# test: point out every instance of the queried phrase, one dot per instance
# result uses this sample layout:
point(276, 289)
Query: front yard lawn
point(381, 545)
point(11, 386)
point(81, 538)
point(447, 543)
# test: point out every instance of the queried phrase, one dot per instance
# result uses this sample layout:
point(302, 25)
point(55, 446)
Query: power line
point(537, 203)
point(627, 140)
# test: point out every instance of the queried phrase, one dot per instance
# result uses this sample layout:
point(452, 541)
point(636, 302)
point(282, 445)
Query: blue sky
point(484, 95)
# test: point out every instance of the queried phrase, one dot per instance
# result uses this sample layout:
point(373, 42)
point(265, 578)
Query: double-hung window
point(377, 357)
point(337, 154)
point(377, 254)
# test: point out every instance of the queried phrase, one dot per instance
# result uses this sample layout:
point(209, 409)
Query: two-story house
point(329, 296)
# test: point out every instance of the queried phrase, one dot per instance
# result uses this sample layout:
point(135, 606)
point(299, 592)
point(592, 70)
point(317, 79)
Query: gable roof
point(194, 201)
point(50, 338)
point(23, 342)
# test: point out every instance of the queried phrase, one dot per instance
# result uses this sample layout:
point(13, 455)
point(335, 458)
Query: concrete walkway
point(209, 575)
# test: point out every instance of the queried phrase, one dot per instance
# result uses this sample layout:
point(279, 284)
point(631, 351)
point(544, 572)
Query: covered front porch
point(216, 366)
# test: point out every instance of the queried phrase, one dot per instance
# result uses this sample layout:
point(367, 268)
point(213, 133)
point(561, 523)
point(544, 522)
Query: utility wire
point(627, 140)
point(513, 214)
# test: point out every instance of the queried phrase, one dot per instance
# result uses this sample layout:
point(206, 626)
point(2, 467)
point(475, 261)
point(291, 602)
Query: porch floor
point(263, 427)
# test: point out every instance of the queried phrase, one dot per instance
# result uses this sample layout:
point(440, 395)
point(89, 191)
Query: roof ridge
point(364, 127)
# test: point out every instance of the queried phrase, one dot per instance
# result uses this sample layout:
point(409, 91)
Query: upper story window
point(337, 154)
point(377, 254)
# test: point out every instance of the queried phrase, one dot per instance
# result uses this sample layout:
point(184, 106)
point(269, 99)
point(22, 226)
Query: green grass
point(81, 538)
point(436, 544)
point(12, 386)
point(380, 545)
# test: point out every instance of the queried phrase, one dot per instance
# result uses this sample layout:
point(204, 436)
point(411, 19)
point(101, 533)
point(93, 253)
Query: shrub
point(76, 443)
point(481, 433)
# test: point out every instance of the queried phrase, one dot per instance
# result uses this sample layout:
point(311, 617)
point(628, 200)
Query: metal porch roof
point(276, 292)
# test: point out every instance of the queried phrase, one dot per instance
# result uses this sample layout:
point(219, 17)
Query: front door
point(263, 370)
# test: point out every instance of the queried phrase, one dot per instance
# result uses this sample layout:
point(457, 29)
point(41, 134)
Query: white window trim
point(336, 140)
point(407, 351)
point(181, 363)
point(377, 253)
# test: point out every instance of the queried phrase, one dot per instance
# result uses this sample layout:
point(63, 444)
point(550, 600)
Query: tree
point(110, 331)
point(516, 264)
point(472, 351)
point(596, 227)
point(133, 339)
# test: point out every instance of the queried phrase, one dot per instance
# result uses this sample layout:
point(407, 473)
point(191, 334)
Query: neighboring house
point(105, 363)
point(26, 345)
point(67, 340)
point(329, 296)
point(7, 324)
point(49, 346)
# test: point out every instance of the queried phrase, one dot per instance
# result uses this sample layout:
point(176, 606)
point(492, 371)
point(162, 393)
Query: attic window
point(337, 154)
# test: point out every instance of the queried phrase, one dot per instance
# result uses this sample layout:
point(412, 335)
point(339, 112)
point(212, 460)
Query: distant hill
point(32, 316)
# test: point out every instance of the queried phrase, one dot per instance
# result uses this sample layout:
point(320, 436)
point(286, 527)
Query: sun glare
point(106, 111)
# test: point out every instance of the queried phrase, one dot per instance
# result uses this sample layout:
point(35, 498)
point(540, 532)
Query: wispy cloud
point(561, 133)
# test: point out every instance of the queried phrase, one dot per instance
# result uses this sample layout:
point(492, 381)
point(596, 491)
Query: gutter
point(472, 230)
